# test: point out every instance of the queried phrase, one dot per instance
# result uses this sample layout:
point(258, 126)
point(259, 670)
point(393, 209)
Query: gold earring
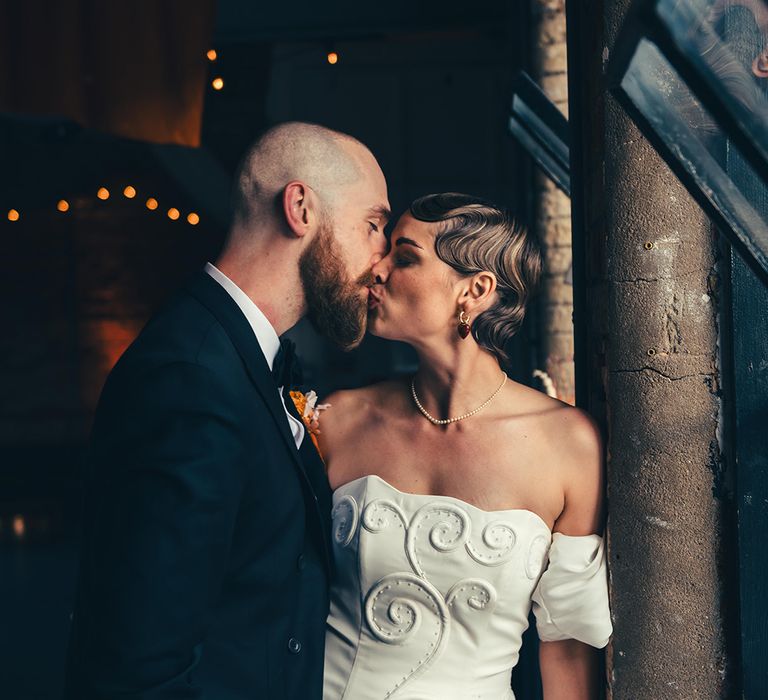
point(463, 325)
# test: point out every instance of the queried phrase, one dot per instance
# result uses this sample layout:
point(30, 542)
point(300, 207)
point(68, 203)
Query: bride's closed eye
point(404, 261)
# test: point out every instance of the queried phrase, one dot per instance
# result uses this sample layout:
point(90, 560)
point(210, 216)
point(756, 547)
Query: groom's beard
point(334, 303)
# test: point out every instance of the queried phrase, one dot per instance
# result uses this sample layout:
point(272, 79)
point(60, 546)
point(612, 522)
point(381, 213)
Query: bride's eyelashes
point(403, 261)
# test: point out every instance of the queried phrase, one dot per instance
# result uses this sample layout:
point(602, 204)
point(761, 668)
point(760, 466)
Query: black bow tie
point(286, 369)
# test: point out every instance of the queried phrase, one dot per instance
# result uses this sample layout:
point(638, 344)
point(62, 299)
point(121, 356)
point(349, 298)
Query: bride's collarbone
point(439, 456)
point(449, 449)
point(495, 469)
point(485, 483)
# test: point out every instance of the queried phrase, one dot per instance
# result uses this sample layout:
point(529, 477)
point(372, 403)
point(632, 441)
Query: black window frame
point(644, 23)
point(541, 129)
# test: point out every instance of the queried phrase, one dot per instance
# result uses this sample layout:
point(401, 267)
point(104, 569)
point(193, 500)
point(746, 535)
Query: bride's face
point(416, 294)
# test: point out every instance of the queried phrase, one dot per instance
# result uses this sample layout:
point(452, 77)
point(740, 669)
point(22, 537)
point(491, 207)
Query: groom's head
point(318, 199)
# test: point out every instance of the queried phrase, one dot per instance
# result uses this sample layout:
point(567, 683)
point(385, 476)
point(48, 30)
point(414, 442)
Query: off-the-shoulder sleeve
point(571, 598)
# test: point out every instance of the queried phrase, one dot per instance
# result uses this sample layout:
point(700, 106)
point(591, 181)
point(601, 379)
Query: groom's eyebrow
point(381, 212)
point(407, 241)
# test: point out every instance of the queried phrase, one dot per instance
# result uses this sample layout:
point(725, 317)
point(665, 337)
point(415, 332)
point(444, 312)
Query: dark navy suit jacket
point(205, 561)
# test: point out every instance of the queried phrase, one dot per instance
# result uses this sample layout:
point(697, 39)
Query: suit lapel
point(315, 469)
point(216, 299)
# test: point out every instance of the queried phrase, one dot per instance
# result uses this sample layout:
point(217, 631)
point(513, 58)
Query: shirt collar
point(262, 328)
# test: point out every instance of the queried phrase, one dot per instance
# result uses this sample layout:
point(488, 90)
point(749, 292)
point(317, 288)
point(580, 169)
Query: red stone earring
point(463, 325)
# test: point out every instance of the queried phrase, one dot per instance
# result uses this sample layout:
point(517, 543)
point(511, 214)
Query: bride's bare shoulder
point(572, 426)
point(349, 403)
point(352, 410)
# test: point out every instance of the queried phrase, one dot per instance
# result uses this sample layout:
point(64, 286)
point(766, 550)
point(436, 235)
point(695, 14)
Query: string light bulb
point(19, 526)
point(193, 218)
point(212, 55)
point(218, 83)
point(333, 58)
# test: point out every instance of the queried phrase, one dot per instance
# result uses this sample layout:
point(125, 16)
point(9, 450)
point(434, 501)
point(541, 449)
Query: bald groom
point(205, 563)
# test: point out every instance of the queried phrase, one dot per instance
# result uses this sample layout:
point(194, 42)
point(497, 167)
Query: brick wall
point(553, 208)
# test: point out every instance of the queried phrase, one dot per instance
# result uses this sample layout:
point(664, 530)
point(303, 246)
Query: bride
point(461, 498)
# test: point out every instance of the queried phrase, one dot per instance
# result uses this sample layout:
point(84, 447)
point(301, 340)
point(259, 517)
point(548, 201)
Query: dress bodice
point(431, 594)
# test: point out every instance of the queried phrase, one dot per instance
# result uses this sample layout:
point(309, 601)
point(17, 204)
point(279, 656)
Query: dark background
point(425, 85)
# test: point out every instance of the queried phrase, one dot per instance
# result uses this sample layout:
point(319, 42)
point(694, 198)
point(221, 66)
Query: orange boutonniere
point(309, 410)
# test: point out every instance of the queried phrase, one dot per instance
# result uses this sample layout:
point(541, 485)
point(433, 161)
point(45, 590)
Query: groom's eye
point(374, 227)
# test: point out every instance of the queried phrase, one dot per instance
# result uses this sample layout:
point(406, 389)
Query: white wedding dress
point(431, 595)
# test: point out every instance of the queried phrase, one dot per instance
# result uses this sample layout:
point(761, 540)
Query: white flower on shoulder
point(312, 410)
point(309, 409)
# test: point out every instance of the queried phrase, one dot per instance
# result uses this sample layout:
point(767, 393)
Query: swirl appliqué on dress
point(537, 556)
point(405, 607)
point(395, 610)
point(345, 516)
point(402, 595)
point(500, 539)
point(470, 597)
point(449, 527)
point(378, 515)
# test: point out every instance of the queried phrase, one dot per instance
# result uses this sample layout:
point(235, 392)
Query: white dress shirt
point(265, 335)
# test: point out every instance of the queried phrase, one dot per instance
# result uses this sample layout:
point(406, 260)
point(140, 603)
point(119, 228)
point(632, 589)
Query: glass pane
point(542, 129)
point(554, 167)
point(697, 147)
point(698, 28)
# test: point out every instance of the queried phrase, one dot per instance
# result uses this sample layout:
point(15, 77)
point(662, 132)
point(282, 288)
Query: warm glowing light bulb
point(63, 205)
point(333, 58)
point(173, 213)
point(103, 193)
point(193, 218)
point(152, 203)
point(13, 215)
point(129, 192)
point(217, 83)
point(19, 527)
point(212, 55)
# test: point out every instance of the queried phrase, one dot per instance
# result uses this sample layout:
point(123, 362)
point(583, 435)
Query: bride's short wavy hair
point(476, 236)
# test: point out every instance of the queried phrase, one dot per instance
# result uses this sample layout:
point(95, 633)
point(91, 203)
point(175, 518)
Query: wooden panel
point(750, 377)
point(749, 404)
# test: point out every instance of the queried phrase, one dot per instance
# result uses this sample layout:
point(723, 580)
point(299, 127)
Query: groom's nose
point(376, 259)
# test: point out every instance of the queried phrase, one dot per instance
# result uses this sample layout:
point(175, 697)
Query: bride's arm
point(583, 471)
point(570, 669)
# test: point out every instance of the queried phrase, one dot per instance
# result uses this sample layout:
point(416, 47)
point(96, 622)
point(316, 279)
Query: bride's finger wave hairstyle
point(477, 236)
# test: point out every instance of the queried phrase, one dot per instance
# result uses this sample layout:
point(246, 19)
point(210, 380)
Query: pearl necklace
point(446, 421)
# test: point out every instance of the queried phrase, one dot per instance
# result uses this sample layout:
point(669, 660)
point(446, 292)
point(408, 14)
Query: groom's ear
point(300, 208)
